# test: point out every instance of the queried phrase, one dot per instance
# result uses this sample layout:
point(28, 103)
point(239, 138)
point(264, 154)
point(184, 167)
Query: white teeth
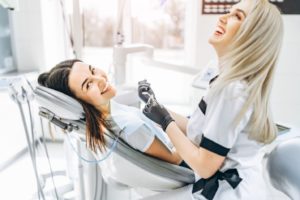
point(220, 30)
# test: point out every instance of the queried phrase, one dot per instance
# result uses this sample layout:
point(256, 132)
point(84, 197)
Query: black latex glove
point(145, 91)
point(157, 113)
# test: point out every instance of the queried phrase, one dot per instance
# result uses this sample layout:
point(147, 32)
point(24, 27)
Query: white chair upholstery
point(283, 165)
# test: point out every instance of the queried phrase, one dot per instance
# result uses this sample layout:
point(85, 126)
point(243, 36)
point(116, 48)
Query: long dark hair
point(58, 79)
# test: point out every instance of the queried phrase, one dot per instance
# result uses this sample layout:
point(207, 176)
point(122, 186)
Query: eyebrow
point(90, 68)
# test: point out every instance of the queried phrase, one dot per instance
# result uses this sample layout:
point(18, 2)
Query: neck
point(220, 50)
point(104, 108)
point(220, 62)
point(220, 54)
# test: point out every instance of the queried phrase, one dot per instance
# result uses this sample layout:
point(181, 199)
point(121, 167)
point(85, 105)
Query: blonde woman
point(221, 141)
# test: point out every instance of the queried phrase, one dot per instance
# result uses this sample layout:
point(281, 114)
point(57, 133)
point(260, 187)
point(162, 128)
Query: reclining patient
point(90, 86)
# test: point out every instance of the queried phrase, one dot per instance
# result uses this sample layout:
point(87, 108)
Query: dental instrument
point(21, 92)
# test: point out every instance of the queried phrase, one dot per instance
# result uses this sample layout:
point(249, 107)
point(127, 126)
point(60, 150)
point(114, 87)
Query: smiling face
point(228, 25)
point(91, 85)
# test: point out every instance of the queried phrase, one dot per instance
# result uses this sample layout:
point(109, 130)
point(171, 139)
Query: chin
point(210, 40)
point(217, 44)
point(213, 40)
point(113, 92)
point(213, 43)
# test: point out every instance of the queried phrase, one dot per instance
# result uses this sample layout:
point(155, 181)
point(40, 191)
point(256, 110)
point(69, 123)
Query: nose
point(223, 19)
point(101, 81)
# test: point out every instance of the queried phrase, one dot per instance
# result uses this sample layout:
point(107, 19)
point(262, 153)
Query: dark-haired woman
point(90, 86)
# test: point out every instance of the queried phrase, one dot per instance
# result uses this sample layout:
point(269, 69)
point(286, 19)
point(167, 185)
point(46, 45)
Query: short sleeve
point(140, 139)
point(219, 132)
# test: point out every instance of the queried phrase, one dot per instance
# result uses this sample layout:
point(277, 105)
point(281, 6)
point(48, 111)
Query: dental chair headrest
point(58, 103)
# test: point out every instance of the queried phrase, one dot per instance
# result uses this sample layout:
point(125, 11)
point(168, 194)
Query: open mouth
point(105, 89)
point(219, 31)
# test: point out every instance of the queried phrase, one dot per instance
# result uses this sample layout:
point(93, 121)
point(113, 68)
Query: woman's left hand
point(157, 113)
point(145, 91)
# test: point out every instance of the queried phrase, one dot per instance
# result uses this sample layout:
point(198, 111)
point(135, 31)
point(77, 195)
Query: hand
point(145, 91)
point(157, 113)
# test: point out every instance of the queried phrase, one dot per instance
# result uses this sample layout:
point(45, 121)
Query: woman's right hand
point(145, 91)
point(157, 113)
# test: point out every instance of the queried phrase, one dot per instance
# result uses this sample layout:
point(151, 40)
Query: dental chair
point(151, 178)
point(283, 165)
point(125, 165)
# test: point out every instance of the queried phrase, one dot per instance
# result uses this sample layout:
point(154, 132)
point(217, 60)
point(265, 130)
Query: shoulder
point(228, 98)
point(126, 117)
point(236, 90)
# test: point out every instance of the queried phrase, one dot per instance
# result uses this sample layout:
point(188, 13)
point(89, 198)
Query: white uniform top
point(211, 127)
point(138, 131)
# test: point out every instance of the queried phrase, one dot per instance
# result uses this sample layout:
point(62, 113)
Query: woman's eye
point(238, 16)
point(88, 85)
point(93, 70)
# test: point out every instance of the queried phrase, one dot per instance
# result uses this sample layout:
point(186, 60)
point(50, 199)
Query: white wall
point(38, 35)
point(27, 35)
point(54, 33)
point(198, 28)
point(286, 91)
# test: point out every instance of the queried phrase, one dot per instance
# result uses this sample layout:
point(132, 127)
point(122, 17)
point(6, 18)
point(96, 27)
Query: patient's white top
point(137, 130)
point(211, 127)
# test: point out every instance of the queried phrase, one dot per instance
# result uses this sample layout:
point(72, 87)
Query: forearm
point(158, 150)
point(204, 162)
point(180, 120)
point(204, 165)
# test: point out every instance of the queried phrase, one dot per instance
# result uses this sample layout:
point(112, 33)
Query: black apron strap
point(212, 80)
point(210, 186)
point(202, 105)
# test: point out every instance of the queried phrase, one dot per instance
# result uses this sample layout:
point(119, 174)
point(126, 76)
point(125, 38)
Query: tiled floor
point(17, 182)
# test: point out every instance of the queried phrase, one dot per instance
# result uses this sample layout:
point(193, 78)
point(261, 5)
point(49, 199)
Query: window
point(158, 23)
point(6, 57)
point(99, 19)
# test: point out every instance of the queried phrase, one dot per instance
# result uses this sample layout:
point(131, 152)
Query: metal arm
point(120, 53)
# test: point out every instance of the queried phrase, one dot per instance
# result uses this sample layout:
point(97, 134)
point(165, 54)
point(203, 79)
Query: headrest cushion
point(60, 104)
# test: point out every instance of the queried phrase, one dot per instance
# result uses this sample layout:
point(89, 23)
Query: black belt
point(210, 186)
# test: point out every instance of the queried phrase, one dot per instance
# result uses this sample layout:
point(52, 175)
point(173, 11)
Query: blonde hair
point(252, 57)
